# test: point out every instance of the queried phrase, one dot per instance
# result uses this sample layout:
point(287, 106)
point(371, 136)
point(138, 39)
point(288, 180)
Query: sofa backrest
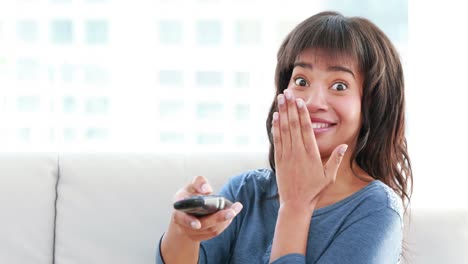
point(114, 208)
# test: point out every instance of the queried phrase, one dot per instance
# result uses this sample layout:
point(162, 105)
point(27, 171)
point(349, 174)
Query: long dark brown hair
point(381, 148)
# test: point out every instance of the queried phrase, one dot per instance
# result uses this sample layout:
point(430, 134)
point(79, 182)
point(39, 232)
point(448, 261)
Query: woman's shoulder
point(258, 181)
point(379, 196)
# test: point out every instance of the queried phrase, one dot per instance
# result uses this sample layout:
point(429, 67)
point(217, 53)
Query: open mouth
point(320, 128)
point(321, 125)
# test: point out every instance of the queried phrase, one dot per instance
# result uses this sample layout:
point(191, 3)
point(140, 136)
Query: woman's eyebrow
point(330, 68)
point(341, 68)
point(302, 65)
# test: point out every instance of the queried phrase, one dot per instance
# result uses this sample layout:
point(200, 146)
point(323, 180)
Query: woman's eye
point(300, 81)
point(339, 86)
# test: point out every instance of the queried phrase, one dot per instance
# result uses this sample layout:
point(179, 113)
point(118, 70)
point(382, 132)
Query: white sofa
point(113, 208)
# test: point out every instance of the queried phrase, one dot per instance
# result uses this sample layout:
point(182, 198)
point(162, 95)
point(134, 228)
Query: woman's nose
point(316, 99)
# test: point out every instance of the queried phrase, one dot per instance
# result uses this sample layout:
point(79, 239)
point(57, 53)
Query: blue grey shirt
point(365, 227)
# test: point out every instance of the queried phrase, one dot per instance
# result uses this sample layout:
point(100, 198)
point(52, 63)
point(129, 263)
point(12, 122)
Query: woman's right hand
point(203, 228)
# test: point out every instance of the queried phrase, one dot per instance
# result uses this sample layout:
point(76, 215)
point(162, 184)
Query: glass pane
point(210, 139)
point(242, 79)
point(95, 133)
point(170, 78)
point(171, 137)
point(242, 111)
point(24, 134)
point(208, 32)
point(69, 134)
point(98, 105)
point(170, 32)
point(95, 75)
point(62, 32)
point(171, 109)
point(28, 103)
point(96, 32)
point(209, 111)
point(69, 105)
point(248, 32)
point(209, 78)
point(26, 31)
point(27, 69)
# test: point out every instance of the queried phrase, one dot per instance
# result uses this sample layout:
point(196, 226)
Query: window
point(24, 134)
point(208, 32)
point(209, 111)
point(27, 69)
point(80, 74)
point(27, 31)
point(62, 31)
point(242, 111)
point(171, 109)
point(209, 78)
point(210, 139)
point(174, 137)
point(170, 32)
point(96, 32)
point(248, 32)
point(95, 75)
point(67, 72)
point(241, 79)
point(97, 105)
point(69, 134)
point(172, 78)
point(69, 105)
point(96, 133)
point(28, 104)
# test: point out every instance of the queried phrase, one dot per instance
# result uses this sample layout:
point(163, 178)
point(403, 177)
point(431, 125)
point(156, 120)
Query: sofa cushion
point(27, 205)
point(436, 236)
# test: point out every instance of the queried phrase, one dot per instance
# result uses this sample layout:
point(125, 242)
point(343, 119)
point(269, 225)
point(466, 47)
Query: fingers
point(293, 120)
point(200, 185)
point(275, 128)
point(208, 226)
point(333, 163)
point(283, 123)
point(221, 216)
point(307, 132)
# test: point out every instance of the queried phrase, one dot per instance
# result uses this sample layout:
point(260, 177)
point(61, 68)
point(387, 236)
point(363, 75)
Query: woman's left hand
point(300, 174)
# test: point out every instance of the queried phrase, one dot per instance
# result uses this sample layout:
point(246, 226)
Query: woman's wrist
point(298, 210)
point(291, 229)
point(177, 247)
point(298, 206)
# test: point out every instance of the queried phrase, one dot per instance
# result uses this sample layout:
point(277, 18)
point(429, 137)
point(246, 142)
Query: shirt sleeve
point(375, 238)
point(159, 259)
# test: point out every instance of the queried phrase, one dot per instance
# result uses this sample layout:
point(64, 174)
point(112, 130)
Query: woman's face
point(332, 91)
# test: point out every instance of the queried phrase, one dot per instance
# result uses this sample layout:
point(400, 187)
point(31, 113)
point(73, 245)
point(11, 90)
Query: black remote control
point(202, 205)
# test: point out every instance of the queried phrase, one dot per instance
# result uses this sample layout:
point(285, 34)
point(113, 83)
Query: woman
point(340, 172)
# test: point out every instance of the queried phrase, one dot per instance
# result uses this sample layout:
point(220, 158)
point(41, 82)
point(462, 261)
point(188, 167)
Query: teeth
point(320, 125)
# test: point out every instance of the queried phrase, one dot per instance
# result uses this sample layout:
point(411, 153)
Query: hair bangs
point(335, 36)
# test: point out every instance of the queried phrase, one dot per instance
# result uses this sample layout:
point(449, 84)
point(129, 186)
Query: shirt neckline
point(331, 206)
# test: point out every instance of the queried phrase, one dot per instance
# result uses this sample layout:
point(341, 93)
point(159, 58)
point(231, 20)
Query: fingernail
point(237, 208)
point(205, 188)
point(195, 225)
point(288, 95)
point(229, 215)
point(299, 103)
point(275, 116)
point(343, 149)
point(280, 99)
